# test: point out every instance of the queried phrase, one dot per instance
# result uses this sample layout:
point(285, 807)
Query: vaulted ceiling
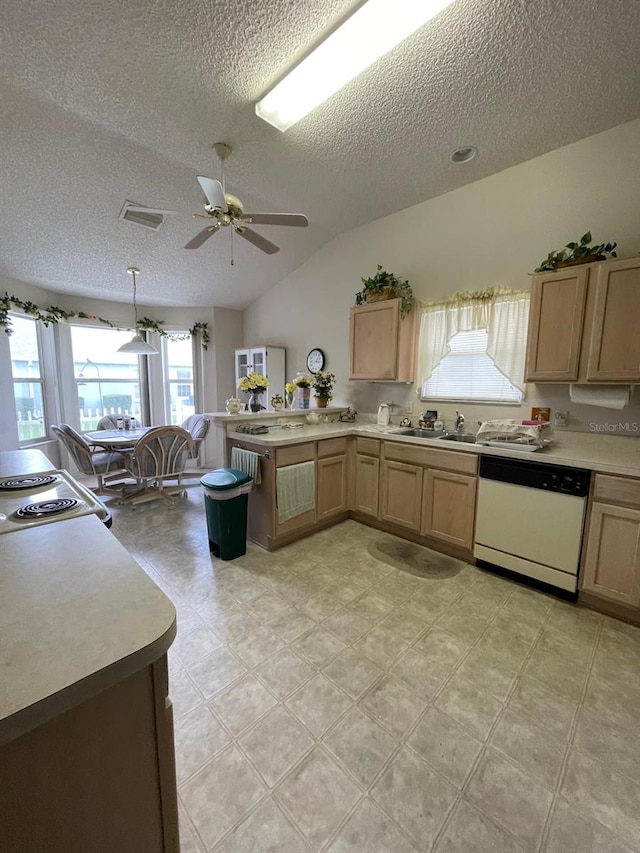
point(105, 100)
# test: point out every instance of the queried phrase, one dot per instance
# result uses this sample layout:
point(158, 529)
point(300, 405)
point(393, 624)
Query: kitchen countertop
point(31, 461)
point(77, 615)
point(605, 453)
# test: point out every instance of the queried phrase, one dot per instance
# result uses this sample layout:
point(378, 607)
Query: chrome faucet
point(459, 421)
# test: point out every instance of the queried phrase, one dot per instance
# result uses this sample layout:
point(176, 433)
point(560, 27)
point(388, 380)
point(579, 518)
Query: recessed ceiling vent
point(138, 216)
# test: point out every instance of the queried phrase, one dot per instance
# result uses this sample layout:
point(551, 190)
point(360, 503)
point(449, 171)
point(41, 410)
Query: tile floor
point(326, 701)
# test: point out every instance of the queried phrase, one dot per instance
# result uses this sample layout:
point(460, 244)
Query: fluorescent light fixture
point(373, 30)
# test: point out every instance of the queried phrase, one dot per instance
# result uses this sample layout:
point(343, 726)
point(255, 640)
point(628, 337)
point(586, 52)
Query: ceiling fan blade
point(137, 208)
point(213, 192)
point(200, 238)
point(258, 240)
point(299, 220)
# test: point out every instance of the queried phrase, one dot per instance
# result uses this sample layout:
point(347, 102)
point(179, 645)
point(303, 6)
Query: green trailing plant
point(575, 253)
point(52, 315)
point(381, 280)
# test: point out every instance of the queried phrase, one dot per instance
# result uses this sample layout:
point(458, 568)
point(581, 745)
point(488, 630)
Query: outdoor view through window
point(26, 367)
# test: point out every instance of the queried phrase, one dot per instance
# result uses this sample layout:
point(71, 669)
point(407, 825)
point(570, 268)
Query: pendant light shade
point(137, 345)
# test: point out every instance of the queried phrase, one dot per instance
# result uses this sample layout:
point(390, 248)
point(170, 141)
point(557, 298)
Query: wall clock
point(315, 360)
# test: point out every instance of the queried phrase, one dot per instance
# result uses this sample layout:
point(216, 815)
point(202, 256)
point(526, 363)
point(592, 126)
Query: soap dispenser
point(384, 414)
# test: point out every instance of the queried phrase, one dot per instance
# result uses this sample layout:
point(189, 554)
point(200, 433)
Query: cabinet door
point(614, 349)
point(366, 486)
point(555, 325)
point(243, 363)
point(374, 340)
point(259, 360)
point(332, 486)
point(401, 494)
point(612, 559)
point(448, 507)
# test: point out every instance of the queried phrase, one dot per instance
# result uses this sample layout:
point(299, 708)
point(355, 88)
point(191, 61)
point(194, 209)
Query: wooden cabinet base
point(99, 778)
point(610, 608)
point(415, 536)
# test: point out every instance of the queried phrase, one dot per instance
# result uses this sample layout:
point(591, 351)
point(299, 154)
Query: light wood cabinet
point(401, 493)
point(448, 507)
point(365, 492)
point(99, 777)
point(382, 343)
point(611, 566)
point(332, 486)
point(583, 324)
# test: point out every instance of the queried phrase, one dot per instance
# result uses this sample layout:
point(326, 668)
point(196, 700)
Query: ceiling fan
point(226, 210)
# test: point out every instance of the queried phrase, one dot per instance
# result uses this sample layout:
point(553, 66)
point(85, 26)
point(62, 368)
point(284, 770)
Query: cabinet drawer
point(617, 490)
point(368, 446)
point(463, 463)
point(332, 447)
point(294, 454)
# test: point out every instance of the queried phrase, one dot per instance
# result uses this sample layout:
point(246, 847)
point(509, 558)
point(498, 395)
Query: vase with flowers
point(323, 383)
point(303, 384)
point(255, 384)
point(290, 394)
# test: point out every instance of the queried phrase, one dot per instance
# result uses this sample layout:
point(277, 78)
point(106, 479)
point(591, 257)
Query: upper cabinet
point(382, 343)
point(583, 322)
point(267, 361)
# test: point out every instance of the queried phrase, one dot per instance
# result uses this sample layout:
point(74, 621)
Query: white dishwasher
point(530, 519)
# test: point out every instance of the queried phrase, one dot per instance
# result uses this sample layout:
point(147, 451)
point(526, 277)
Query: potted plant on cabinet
point(577, 253)
point(323, 387)
point(386, 285)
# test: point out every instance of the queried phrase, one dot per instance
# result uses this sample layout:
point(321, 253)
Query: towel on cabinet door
point(248, 462)
point(296, 489)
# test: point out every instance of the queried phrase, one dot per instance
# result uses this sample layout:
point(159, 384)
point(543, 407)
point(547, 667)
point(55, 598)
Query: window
point(473, 348)
point(178, 358)
point(107, 381)
point(28, 383)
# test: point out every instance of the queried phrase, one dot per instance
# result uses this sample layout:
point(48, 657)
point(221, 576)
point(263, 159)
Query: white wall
point(492, 232)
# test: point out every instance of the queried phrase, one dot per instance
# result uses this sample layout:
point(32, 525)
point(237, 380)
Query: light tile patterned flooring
point(327, 701)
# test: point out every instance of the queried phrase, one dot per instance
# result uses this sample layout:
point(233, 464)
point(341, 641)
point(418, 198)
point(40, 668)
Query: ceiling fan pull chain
point(232, 261)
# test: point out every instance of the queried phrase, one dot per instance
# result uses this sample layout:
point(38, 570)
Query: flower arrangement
point(254, 383)
point(323, 382)
point(290, 388)
point(302, 381)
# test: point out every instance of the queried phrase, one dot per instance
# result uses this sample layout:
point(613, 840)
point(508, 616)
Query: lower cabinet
point(448, 507)
point(401, 494)
point(611, 567)
point(331, 486)
point(365, 491)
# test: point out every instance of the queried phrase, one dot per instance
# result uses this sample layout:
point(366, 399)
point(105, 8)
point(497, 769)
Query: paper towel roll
point(605, 396)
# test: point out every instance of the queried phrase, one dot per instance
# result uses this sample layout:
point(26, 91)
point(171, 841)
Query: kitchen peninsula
point(86, 734)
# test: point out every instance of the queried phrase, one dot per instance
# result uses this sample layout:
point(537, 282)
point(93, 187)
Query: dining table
point(116, 439)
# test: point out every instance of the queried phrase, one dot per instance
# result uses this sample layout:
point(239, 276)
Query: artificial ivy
point(52, 315)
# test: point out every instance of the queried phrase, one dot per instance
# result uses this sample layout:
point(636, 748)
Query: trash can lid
point(224, 478)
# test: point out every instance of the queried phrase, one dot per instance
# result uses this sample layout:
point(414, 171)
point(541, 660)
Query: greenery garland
point(53, 315)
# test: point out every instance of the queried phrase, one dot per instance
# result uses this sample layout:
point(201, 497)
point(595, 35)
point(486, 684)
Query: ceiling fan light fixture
point(372, 31)
point(137, 345)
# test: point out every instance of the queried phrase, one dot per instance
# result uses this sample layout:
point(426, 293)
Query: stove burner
point(35, 482)
point(44, 509)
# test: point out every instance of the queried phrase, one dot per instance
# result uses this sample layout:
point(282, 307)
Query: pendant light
point(137, 345)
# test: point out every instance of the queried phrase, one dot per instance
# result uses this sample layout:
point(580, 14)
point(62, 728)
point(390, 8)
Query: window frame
point(42, 381)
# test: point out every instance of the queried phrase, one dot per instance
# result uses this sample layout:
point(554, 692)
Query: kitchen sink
point(465, 437)
point(420, 433)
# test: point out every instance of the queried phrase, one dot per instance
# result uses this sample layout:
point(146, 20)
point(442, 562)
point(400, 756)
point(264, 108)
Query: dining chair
point(197, 426)
point(160, 455)
point(106, 465)
point(108, 422)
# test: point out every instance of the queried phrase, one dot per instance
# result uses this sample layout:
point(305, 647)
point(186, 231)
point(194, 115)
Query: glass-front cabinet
point(267, 361)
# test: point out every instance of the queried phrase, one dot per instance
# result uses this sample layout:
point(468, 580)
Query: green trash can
point(226, 493)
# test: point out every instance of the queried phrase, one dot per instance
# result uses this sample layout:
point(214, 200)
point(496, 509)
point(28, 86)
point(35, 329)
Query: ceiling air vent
point(140, 217)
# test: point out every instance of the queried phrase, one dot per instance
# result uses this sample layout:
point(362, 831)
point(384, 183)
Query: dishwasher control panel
point(536, 475)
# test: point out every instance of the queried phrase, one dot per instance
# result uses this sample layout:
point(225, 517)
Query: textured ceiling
point(107, 100)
